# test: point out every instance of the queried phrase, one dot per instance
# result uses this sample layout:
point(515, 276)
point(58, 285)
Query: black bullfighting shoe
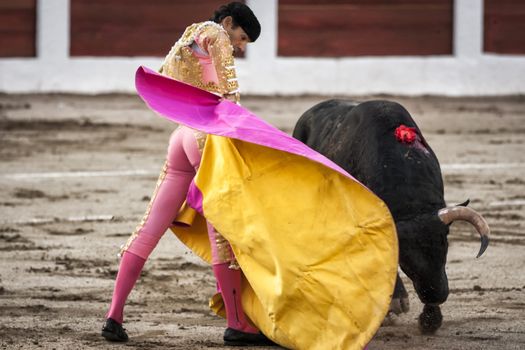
point(233, 337)
point(113, 331)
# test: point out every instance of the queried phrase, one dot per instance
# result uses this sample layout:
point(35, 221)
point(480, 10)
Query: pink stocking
point(230, 284)
point(182, 161)
point(128, 273)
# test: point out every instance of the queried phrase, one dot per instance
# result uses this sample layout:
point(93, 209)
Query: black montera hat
point(242, 15)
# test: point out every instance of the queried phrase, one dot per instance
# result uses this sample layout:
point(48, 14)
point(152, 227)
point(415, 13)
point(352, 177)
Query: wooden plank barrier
point(133, 27)
point(336, 28)
point(504, 26)
point(18, 28)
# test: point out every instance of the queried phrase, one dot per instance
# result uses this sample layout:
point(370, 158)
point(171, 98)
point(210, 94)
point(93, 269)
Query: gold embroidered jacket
point(203, 57)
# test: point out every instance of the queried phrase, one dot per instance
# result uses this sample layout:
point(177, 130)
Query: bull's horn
point(450, 214)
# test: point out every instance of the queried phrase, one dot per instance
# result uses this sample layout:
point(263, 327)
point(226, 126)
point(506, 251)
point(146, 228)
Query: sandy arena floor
point(67, 163)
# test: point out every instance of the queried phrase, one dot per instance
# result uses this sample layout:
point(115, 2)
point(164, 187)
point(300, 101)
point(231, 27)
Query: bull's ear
point(464, 204)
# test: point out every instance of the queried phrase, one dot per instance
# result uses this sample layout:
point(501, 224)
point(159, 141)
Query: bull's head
point(423, 254)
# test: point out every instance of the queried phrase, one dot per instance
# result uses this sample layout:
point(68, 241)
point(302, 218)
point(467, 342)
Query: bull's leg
point(430, 319)
point(400, 303)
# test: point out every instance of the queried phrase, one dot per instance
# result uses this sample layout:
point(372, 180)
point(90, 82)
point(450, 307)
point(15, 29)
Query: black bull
point(405, 174)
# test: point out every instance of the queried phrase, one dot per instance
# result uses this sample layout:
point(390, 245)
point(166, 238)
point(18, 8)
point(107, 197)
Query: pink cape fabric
point(204, 111)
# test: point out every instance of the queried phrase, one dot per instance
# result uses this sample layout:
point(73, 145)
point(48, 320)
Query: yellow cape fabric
point(318, 249)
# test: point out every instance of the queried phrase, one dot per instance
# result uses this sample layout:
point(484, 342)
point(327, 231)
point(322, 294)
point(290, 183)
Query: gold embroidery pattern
point(221, 52)
point(135, 234)
point(200, 137)
point(230, 74)
point(224, 251)
point(234, 265)
point(189, 70)
point(181, 64)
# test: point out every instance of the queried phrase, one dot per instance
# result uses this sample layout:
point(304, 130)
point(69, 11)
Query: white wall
point(468, 72)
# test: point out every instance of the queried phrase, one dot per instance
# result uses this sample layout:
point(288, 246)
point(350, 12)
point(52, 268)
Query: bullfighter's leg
point(228, 276)
point(166, 201)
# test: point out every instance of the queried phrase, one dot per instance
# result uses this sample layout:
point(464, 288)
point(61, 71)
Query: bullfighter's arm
point(220, 49)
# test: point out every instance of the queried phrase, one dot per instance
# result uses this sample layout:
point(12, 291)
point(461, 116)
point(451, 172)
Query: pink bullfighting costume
point(202, 57)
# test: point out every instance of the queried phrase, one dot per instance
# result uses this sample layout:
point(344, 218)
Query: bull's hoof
point(430, 319)
point(399, 306)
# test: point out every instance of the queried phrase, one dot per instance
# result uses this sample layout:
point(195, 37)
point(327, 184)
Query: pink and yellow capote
point(318, 250)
